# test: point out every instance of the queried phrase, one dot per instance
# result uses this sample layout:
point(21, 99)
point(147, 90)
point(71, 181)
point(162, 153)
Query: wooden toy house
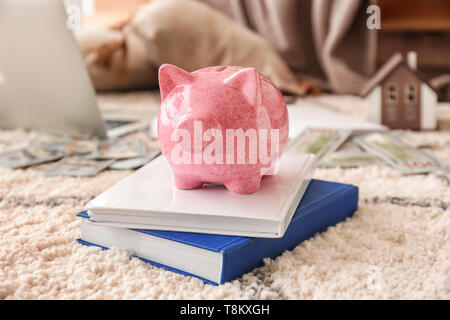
point(399, 97)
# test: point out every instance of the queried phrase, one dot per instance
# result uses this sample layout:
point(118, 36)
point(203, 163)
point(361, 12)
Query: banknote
point(78, 167)
point(414, 139)
point(135, 163)
point(80, 147)
point(53, 139)
point(27, 157)
point(350, 146)
point(398, 154)
point(71, 145)
point(320, 141)
point(121, 149)
point(346, 159)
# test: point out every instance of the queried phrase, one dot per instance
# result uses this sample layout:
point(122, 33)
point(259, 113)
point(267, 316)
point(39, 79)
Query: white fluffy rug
point(395, 247)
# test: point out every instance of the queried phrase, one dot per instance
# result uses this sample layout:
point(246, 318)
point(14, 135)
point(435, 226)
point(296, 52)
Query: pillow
point(189, 34)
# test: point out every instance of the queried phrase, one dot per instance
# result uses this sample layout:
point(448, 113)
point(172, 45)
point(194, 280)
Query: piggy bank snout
point(196, 129)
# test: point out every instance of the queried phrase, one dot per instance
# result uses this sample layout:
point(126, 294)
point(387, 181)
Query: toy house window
point(410, 114)
point(391, 114)
point(410, 93)
point(392, 93)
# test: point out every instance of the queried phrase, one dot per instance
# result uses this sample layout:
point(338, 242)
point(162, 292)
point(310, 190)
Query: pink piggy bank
point(226, 125)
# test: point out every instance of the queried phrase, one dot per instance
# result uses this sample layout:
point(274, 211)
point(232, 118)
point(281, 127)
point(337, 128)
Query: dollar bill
point(27, 157)
point(135, 163)
point(398, 154)
point(57, 141)
point(78, 167)
point(320, 141)
point(122, 149)
point(350, 146)
point(346, 159)
point(414, 140)
point(349, 159)
point(80, 147)
point(53, 140)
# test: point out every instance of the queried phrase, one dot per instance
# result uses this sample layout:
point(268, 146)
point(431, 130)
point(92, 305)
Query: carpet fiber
point(395, 247)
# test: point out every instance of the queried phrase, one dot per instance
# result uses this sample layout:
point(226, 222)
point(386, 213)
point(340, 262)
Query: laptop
point(44, 83)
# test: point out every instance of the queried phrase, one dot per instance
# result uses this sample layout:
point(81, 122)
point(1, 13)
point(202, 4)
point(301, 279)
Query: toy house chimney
point(412, 60)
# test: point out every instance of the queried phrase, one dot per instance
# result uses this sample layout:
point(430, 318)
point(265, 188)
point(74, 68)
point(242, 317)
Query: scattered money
point(135, 163)
point(320, 141)
point(78, 167)
point(56, 141)
point(349, 155)
point(79, 147)
point(82, 156)
point(27, 157)
point(401, 156)
point(52, 140)
point(332, 148)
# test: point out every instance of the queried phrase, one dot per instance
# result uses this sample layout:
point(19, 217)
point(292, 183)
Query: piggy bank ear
point(247, 80)
point(169, 77)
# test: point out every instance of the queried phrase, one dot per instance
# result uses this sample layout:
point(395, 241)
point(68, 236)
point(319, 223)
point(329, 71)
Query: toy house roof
point(395, 61)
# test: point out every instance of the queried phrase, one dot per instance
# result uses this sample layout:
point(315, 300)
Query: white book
point(148, 199)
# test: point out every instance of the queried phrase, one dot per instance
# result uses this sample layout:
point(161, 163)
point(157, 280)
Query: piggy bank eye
point(220, 69)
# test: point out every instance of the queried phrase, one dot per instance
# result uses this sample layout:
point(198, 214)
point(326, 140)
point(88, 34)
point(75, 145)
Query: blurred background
point(383, 51)
point(105, 13)
point(311, 36)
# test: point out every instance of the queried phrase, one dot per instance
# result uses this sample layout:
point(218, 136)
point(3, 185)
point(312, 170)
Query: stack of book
point(210, 232)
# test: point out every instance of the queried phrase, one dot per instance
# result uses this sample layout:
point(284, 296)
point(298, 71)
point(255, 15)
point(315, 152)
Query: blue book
point(217, 259)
